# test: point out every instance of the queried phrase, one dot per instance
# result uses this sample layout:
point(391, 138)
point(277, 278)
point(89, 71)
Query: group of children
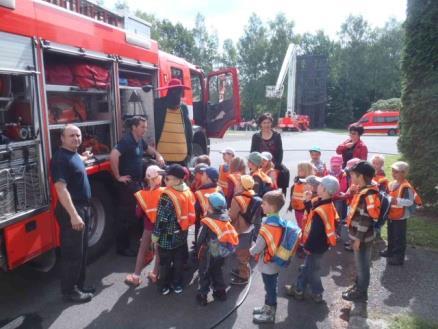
point(226, 206)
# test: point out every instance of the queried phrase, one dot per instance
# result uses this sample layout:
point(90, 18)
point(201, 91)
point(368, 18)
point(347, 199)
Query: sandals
point(132, 280)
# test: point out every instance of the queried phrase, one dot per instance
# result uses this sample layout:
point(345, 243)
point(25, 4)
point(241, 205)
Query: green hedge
point(419, 113)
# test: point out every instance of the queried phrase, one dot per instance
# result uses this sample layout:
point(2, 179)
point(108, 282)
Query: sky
point(229, 17)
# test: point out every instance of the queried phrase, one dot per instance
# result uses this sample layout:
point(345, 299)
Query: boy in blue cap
point(217, 239)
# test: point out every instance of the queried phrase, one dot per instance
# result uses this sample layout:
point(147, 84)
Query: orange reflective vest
point(222, 181)
point(263, 177)
point(272, 235)
point(397, 212)
point(328, 214)
point(372, 203)
point(201, 196)
point(297, 198)
point(243, 200)
point(381, 180)
point(224, 231)
point(273, 174)
point(184, 203)
point(148, 201)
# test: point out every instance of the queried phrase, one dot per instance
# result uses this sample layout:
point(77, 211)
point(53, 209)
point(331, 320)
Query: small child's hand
point(308, 195)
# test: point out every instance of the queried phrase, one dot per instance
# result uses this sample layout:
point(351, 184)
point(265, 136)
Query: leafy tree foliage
point(419, 114)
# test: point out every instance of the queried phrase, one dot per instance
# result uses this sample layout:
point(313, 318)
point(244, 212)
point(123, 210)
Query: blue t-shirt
point(68, 167)
point(131, 158)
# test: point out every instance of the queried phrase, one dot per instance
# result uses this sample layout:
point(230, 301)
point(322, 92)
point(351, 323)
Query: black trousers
point(171, 266)
point(397, 239)
point(126, 213)
point(210, 274)
point(74, 245)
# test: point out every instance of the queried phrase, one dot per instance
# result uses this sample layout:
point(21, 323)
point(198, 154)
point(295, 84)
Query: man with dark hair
point(72, 212)
point(173, 129)
point(126, 160)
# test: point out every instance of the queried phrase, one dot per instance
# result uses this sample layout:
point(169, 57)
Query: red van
point(380, 122)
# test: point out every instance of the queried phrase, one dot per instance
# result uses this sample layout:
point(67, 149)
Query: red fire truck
point(65, 61)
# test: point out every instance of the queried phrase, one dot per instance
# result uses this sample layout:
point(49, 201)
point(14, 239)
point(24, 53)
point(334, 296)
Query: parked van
point(380, 122)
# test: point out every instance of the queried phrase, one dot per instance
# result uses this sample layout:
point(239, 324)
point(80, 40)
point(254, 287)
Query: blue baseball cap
point(211, 172)
point(217, 201)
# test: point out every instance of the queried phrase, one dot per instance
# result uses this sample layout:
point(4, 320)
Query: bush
point(386, 104)
point(419, 113)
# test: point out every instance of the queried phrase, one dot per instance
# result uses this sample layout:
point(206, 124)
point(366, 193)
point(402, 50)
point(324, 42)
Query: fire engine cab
point(72, 61)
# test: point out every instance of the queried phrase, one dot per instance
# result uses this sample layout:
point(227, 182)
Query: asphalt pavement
point(32, 300)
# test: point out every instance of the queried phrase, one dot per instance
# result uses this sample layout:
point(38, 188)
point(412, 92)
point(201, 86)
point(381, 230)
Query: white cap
point(228, 150)
point(154, 171)
point(267, 156)
point(330, 184)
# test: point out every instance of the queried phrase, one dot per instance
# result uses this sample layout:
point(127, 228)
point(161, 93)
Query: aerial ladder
point(291, 121)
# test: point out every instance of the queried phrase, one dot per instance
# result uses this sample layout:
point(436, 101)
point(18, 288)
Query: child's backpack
point(264, 188)
point(254, 213)
point(385, 206)
point(288, 245)
point(220, 249)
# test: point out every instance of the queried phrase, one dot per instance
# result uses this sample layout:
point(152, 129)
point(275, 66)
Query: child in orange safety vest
point(147, 203)
point(262, 182)
point(264, 250)
point(217, 239)
point(378, 162)
point(318, 235)
point(208, 179)
point(363, 213)
point(268, 168)
point(175, 214)
point(297, 192)
point(403, 199)
point(224, 169)
point(237, 169)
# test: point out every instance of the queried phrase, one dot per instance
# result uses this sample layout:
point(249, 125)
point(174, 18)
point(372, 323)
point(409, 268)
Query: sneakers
point(291, 290)
point(267, 316)
point(317, 298)
point(354, 295)
point(259, 310)
point(165, 291)
point(177, 289)
point(220, 295)
point(201, 299)
point(238, 281)
point(77, 296)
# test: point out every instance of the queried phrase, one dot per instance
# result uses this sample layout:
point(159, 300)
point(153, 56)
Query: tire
point(392, 132)
point(100, 232)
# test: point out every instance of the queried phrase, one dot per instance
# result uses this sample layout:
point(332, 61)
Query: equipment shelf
point(81, 124)
point(74, 89)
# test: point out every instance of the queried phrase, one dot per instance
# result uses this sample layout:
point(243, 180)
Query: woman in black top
point(268, 140)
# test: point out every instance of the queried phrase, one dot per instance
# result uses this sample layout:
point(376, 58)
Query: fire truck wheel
point(197, 149)
point(100, 233)
point(392, 132)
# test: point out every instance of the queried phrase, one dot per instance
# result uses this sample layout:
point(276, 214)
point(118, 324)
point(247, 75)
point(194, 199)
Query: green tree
point(419, 114)
point(229, 54)
point(205, 52)
point(252, 49)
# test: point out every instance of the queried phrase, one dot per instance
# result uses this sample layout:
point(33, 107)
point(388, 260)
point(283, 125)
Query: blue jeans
point(271, 283)
point(362, 258)
point(310, 274)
